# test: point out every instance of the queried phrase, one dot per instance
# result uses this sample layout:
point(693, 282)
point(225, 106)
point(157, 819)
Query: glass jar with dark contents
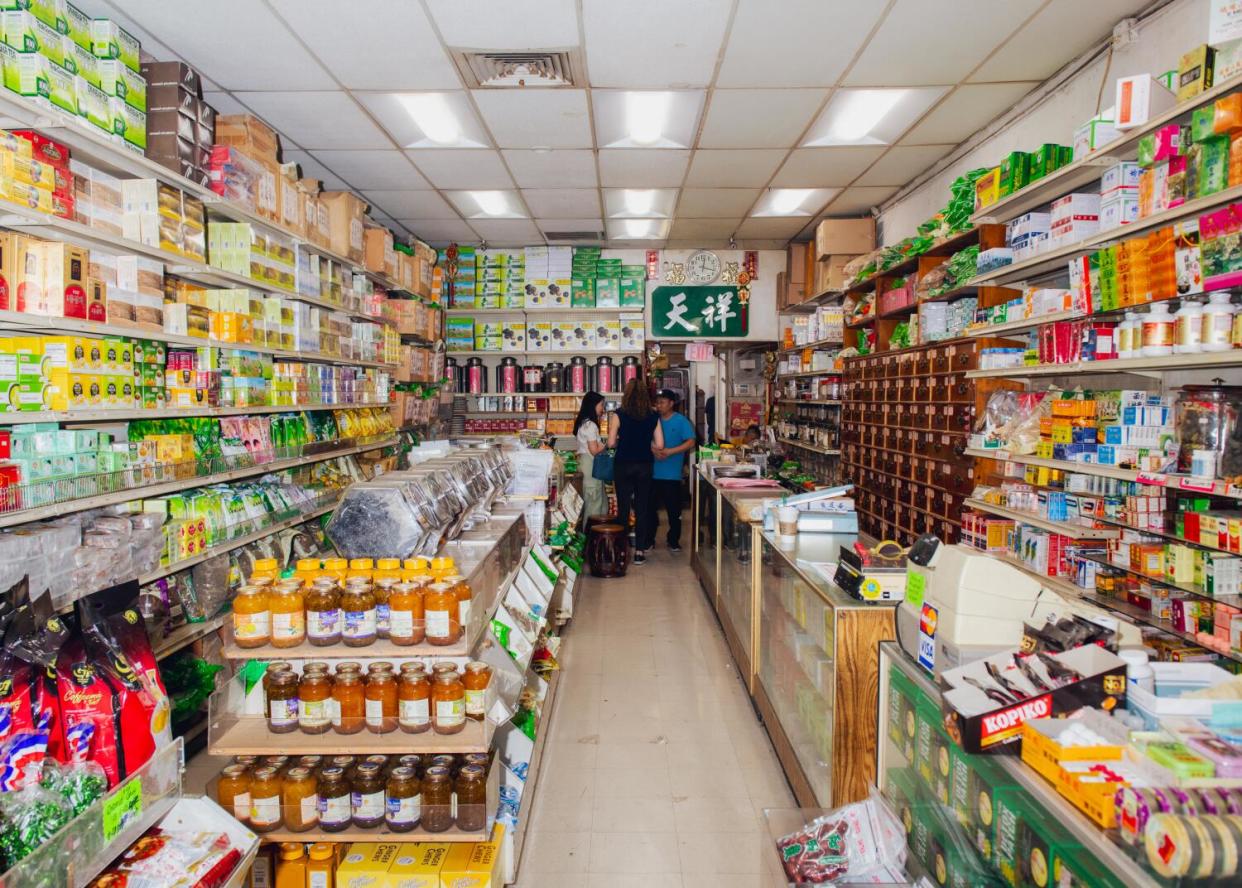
point(404, 801)
point(471, 789)
point(282, 702)
point(437, 800)
point(367, 795)
point(335, 802)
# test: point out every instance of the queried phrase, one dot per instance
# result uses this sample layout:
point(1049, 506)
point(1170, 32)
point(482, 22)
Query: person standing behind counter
point(590, 443)
point(666, 484)
point(635, 432)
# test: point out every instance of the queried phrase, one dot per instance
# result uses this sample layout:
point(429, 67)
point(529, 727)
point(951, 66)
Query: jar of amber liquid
point(306, 570)
point(233, 791)
point(405, 614)
point(299, 799)
point(315, 667)
point(279, 762)
point(336, 568)
point(265, 787)
point(314, 762)
point(437, 811)
point(461, 590)
point(414, 699)
point(403, 802)
point(349, 705)
point(478, 676)
point(265, 568)
point(315, 703)
point(323, 612)
point(471, 789)
point(367, 795)
point(448, 703)
point(282, 702)
point(382, 590)
point(440, 612)
point(381, 701)
point(387, 569)
point(335, 806)
point(358, 615)
point(274, 667)
point(360, 567)
point(252, 619)
point(288, 614)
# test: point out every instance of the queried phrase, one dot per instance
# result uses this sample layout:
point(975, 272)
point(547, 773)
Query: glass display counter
point(706, 532)
point(739, 534)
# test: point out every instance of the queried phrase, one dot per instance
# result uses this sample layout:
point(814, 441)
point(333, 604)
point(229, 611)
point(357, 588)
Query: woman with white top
point(587, 431)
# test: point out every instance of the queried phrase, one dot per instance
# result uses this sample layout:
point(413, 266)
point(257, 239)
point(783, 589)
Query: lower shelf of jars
point(250, 736)
point(375, 834)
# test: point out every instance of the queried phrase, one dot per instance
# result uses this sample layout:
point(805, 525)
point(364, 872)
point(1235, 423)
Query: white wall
point(1162, 40)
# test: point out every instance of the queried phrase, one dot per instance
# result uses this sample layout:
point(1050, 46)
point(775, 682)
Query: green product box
point(53, 13)
point(1202, 123)
point(974, 785)
point(607, 292)
point(487, 302)
point(901, 713)
point(1015, 172)
point(1044, 160)
point(85, 463)
point(1032, 848)
point(1146, 150)
point(51, 43)
point(14, 4)
point(63, 88)
point(514, 298)
point(25, 73)
point(926, 763)
point(93, 104)
point(582, 293)
point(1212, 171)
point(79, 26)
point(633, 291)
point(634, 271)
point(17, 29)
point(115, 79)
point(81, 62)
point(129, 123)
point(110, 41)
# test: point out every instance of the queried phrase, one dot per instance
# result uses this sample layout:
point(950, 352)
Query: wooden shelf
point(811, 303)
point(818, 343)
point(801, 446)
point(947, 247)
point(1075, 531)
point(1233, 600)
point(1022, 324)
point(546, 310)
point(803, 374)
point(809, 403)
point(249, 736)
point(1202, 361)
point(375, 834)
point(566, 353)
point(381, 648)
point(1145, 618)
point(121, 415)
point(183, 636)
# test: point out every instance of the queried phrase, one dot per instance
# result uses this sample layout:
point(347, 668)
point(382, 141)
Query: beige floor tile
point(723, 880)
point(634, 880)
point(573, 754)
point(709, 752)
point(767, 787)
point(721, 852)
point(565, 783)
point(629, 783)
point(625, 728)
point(630, 852)
point(564, 813)
point(612, 814)
point(529, 879)
point(636, 756)
point(548, 851)
point(716, 815)
point(707, 783)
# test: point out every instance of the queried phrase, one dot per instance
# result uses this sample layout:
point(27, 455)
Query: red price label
point(1150, 478)
point(1197, 486)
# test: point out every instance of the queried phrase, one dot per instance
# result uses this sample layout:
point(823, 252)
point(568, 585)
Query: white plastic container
point(1157, 328)
point(1138, 670)
point(1217, 322)
point(1128, 336)
point(1187, 328)
point(1173, 680)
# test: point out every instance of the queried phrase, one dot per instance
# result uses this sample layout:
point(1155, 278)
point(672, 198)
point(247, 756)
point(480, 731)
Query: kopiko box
point(1088, 676)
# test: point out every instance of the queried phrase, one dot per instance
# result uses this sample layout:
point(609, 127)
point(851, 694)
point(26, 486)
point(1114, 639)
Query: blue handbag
point(604, 466)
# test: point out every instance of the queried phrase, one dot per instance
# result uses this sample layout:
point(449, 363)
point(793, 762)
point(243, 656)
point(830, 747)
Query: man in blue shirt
point(666, 484)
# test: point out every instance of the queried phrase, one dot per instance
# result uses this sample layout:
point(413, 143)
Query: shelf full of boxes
point(1121, 260)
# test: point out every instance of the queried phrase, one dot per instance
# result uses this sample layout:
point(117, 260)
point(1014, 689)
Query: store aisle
point(656, 765)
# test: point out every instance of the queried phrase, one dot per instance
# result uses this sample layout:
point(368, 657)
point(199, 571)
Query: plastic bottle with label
point(321, 868)
point(291, 866)
point(1128, 337)
point(1187, 328)
point(1218, 320)
point(1139, 672)
point(1157, 328)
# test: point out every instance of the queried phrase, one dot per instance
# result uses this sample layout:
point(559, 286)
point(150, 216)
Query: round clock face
point(703, 267)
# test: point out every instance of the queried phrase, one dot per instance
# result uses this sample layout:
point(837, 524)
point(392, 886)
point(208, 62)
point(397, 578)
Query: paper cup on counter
point(787, 520)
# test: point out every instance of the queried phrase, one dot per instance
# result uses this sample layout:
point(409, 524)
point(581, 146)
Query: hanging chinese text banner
point(708, 312)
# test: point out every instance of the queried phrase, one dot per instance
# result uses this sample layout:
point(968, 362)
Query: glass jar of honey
point(478, 676)
point(323, 612)
point(387, 569)
point(358, 615)
point(265, 568)
point(273, 668)
point(349, 707)
point(299, 799)
point(360, 567)
point(367, 795)
point(314, 762)
point(288, 614)
point(414, 698)
point(437, 788)
point(403, 802)
point(405, 615)
point(440, 611)
point(382, 590)
point(448, 703)
point(315, 703)
point(252, 618)
point(282, 702)
point(336, 568)
point(335, 807)
point(265, 800)
point(461, 590)
point(471, 791)
point(381, 701)
point(233, 791)
point(306, 570)
point(315, 666)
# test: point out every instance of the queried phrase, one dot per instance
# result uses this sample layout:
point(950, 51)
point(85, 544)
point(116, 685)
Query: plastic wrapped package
point(206, 590)
point(28, 818)
point(851, 843)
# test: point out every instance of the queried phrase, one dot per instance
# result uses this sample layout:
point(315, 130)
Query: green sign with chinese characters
point(122, 808)
point(704, 312)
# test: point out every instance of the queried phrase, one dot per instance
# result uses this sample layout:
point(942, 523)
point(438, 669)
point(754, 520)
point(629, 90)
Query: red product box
point(6, 445)
point(45, 149)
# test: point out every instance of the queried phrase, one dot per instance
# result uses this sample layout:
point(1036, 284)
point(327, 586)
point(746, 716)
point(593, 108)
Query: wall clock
point(703, 267)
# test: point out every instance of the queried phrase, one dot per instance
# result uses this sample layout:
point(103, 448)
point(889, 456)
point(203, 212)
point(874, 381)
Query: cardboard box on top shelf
point(345, 213)
point(178, 73)
point(844, 236)
point(424, 251)
point(380, 257)
point(289, 200)
point(422, 278)
point(830, 273)
point(795, 263)
point(782, 291)
point(249, 133)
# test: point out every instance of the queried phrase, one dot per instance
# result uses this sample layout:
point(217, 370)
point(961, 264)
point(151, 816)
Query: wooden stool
point(608, 550)
point(590, 522)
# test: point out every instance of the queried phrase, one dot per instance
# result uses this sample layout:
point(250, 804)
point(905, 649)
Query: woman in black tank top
point(634, 431)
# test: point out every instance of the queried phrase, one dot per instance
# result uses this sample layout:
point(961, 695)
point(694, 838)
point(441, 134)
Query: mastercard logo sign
point(928, 620)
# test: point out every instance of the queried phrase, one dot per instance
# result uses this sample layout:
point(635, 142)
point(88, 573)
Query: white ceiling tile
point(390, 111)
point(857, 201)
point(770, 228)
point(759, 118)
point(474, 204)
point(400, 50)
point(224, 103)
point(653, 44)
point(871, 116)
point(592, 224)
point(707, 203)
point(536, 118)
point(313, 169)
point(507, 232)
point(639, 203)
point(412, 204)
point(521, 24)
point(317, 119)
point(964, 111)
point(632, 168)
point(903, 163)
point(373, 169)
point(615, 109)
point(1062, 31)
point(928, 43)
point(734, 168)
point(825, 167)
point(703, 228)
point(239, 44)
point(462, 168)
point(552, 169)
point(442, 231)
point(805, 43)
point(561, 203)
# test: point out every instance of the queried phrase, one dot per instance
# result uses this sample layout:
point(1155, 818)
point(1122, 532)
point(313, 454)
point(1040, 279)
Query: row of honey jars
point(381, 701)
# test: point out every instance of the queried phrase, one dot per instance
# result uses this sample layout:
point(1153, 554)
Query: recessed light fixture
point(646, 113)
point(638, 227)
point(491, 203)
point(871, 116)
point(792, 201)
point(432, 114)
point(640, 201)
point(787, 201)
point(862, 110)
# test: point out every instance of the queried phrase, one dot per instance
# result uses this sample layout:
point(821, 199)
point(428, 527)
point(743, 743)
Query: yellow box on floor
point(366, 865)
point(418, 865)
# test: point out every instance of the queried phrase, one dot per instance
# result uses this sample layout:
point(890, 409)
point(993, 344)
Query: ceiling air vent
point(506, 70)
point(574, 235)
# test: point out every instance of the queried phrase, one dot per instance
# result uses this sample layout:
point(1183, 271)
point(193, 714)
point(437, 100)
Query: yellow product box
point(27, 195)
point(85, 390)
point(418, 865)
point(27, 171)
point(987, 188)
point(366, 865)
point(471, 866)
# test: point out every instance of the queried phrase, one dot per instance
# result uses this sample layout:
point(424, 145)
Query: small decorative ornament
point(743, 288)
point(730, 273)
point(674, 273)
point(653, 265)
point(750, 262)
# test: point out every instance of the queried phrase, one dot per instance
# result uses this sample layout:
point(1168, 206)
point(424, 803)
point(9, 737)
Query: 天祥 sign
point(707, 312)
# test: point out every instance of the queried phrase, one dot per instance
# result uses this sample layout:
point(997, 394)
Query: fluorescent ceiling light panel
point(645, 115)
point(433, 116)
point(871, 116)
point(639, 203)
point(487, 204)
point(638, 229)
point(646, 119)
point(492, 203)
point(426, 119)
point(793, 201)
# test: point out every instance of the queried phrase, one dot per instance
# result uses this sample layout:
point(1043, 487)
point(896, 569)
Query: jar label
point(404, 811)
point(1157, 333)
point(437, 624)
point(310, 810)
point(323, 624)
point(247, 627)
point(375, 712)
point(288, 626)
point(334, 711)
point(382, 615)
point(359, 624)
point(368, 805)
point(415, 712)
point(401, 624)
point(1216, 328)
point(241, 806)
point(334, 811)
point(450, 713)
point(463, 612)
point(313, 713)
point(283, 712)
point(476, 702)
point(265, 812)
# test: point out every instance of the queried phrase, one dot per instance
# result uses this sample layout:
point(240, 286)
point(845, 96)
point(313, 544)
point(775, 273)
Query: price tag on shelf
point(1197, 486)
point(122, 808)
point(1152, 478)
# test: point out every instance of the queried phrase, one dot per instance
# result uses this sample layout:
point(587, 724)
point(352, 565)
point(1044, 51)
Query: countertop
point(819, 547)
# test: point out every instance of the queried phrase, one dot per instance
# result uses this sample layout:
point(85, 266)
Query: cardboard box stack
point(181, 127)
point(345, 214)
point(844, 237)
point(34, 171)
point(165, 217)
point(244, 166)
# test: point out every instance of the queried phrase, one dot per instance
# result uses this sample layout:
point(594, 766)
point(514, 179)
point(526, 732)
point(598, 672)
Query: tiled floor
point(656, 768)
